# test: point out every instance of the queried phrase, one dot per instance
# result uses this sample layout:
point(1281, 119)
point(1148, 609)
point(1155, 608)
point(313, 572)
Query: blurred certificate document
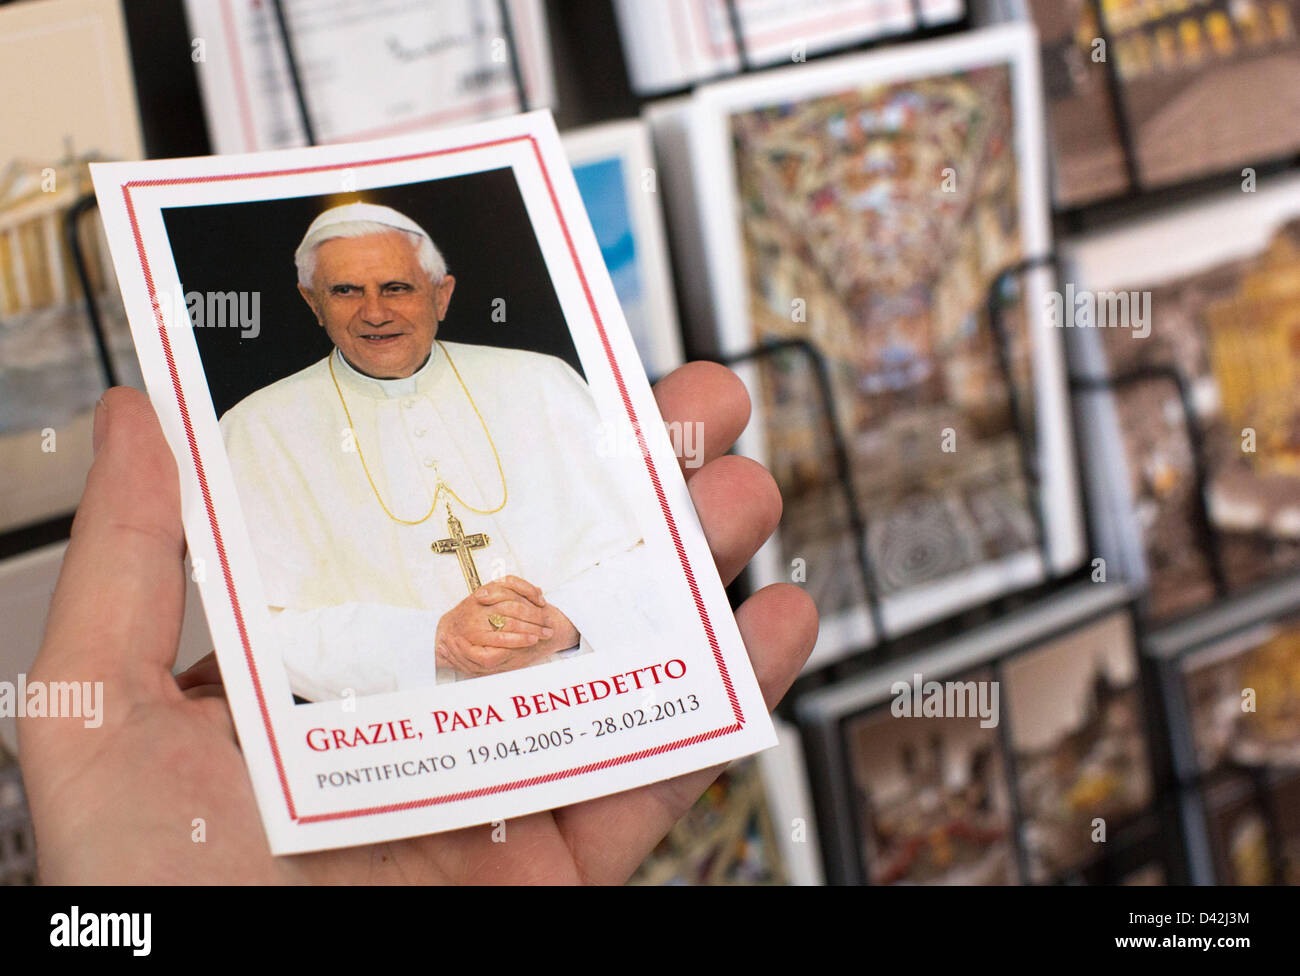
point(368, 68)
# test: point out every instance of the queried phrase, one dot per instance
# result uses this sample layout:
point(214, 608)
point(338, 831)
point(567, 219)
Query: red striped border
point(213, 523)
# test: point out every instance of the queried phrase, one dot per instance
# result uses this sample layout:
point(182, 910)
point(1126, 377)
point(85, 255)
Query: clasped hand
point(533, 629)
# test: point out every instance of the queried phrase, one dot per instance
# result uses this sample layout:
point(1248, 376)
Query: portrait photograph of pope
point(423, 510)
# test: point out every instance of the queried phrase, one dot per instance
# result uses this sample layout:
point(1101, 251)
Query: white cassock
point(356, 596)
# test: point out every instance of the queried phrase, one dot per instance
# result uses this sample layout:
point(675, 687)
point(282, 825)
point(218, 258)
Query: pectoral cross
point(461, 544)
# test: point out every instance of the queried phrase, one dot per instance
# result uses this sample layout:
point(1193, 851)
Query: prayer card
point(448, 557)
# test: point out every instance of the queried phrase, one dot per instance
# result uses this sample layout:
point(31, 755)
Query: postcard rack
point(1115, 93)
point(1141, 838)
point(857, 523)
point(1002, 345)
point(1257, 788)
point(71, 225)
point(88, 202)
point(295, 76)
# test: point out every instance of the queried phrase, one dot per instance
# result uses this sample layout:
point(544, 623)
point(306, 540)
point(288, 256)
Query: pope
point(426, 511)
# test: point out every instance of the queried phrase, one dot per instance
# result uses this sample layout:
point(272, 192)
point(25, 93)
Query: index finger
point(709, 405)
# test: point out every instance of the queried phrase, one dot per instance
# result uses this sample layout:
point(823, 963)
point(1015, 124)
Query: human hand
point(115, 804)
point(467, 641)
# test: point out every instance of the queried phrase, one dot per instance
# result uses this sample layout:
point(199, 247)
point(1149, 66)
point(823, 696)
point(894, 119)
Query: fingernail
point(99, 427)
point(547, 632)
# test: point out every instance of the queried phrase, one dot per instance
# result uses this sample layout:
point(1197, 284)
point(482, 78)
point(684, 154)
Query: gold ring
point(498, 621)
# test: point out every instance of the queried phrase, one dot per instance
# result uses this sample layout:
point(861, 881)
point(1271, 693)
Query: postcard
point(933, 805)
point(619, 184)
point(70, 59)
point(451, 568)
point(1243, 698)
point(1249, 827)
point(1236, 829)
point(1210, 290)
point(1075, 712)
point(366, 70)
point(1088, 157)
point(1189, 80)
point(873, 203)
point(1182, 78)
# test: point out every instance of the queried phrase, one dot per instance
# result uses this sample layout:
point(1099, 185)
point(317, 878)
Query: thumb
point(117, 609)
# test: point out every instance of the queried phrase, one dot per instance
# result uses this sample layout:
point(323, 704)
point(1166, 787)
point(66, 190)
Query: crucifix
point(462, 544)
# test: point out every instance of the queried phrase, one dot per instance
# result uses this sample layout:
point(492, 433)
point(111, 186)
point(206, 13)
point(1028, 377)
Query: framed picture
point(366, 71)
point(548, 626)
point(619, 184)
point(1196, 493)
point(874, 201)
point(988, 758)
point(70, 59)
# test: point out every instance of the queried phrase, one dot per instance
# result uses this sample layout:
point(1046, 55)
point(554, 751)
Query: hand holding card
point(378, 442)
point(160, 793)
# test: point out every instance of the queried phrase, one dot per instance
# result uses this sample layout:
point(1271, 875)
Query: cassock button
point(419, 432)
point(428, 462)
point(408, 404)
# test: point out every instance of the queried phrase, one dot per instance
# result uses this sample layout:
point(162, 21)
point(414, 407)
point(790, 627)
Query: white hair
point(430, 258)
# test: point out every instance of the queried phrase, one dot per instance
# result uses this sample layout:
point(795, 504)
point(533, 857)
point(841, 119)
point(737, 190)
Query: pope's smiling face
point(376, 303)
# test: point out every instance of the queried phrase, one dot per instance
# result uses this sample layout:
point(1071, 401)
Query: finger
point(511, 606)
point(508, 587)
point(516, 626)
point(610, 836)
point(116, 612)
point(739, 507)
point(451, 656)
point(708, 404)
point(481, 660)
point(503, 639)
point(204, 671)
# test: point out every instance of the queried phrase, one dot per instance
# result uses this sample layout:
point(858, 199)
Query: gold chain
point(441, 484)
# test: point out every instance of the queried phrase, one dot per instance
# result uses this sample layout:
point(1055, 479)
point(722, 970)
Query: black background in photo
point(478, 222)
